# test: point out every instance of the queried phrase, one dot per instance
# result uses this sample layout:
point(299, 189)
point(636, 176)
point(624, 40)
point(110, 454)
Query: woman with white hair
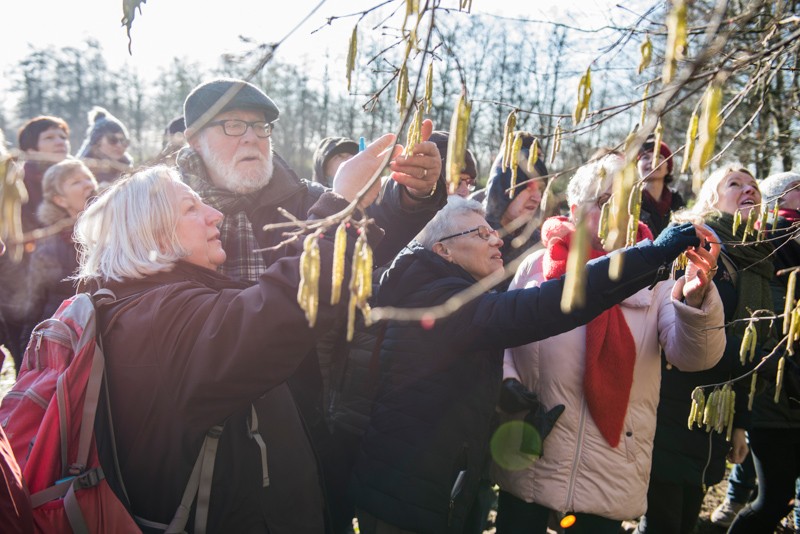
point(424, 451)
point(686, 462)
point(595, 462)
point(188, 349)
point(67, 187)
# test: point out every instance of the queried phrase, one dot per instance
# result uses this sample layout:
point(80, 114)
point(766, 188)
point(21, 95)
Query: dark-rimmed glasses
point(237, 128)
point(117, 140)
point(484, 232)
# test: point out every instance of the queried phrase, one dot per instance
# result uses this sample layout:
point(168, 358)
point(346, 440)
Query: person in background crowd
point(686, 462)
point(230, 162)
point(596, 460)
point(658, 199)
point(775, 431)
point(45, 140)
point(511, 216)
point(424, 451)
point(105, 148)
point(174, 140)
point(330, 153)
point(469, 173)
point(190, 348)
point(67, 186)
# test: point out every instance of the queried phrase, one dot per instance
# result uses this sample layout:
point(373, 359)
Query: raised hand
point(700, 270)
point(419, 171)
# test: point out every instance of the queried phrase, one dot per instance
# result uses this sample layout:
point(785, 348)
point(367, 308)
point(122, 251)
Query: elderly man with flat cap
point(230, 162)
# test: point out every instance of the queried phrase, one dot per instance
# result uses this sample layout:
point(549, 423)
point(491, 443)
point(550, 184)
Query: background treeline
point(504, 64)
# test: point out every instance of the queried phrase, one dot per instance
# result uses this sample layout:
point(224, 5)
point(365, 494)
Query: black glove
point(675, 239)
point(539, 423)
point(514, 397)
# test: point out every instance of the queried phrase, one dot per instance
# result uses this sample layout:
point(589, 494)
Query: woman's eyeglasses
point(117, 140)
point(484, 232)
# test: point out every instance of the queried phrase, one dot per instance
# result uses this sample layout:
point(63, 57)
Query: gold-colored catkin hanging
point(556, 143)
point(583, 96)
point(618, 222)
point(360, 282)
point(402, 88)
point(737, 221)
point(709, 124)
point(779, 379)
point(508, 139)
point(414, 134)
point(775, 211)
point(691, 136)
point(646, 49)
point(676, 39)
point(747, 342)
point(429, 88)
point(752, 394)
point(762, 222)
point(602, 227)
point(573, 296)
point(457, 144)
point(337, 276)
point(634, 212)
point(308, 290)
point(709, 413)
point(644, 103)
point(351, 55)
point(749, 228)
point(698, 403)
point(516, 148)
point(12, 196)
point(788, 304)
point(792, 333)
point(731, 413)
point(533, 155)
point(659, 136)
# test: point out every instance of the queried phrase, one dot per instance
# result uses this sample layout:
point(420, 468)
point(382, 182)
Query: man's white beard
point(224, 174)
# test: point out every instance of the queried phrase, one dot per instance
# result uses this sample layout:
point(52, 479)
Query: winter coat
point(422, 455)
point(578, 470)
point(651, 217)
point(785, 413)
point(54, 260)
point(191, 349)
point(34, 173)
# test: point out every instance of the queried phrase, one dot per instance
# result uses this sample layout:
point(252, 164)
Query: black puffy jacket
point(439, 385)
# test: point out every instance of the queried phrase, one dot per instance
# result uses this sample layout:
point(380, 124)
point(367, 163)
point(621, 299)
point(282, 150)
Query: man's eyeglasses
point(117, 140)
point(237, 128)
point(484, 232)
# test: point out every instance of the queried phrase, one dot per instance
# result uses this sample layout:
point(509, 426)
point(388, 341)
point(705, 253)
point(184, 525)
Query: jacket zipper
point(576, 459)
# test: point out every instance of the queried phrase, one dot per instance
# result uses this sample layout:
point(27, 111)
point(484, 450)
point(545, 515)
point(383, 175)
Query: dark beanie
point(28, 134)
point(440, 139)
point(244, 95)
point(101, 122)
point(176, 125)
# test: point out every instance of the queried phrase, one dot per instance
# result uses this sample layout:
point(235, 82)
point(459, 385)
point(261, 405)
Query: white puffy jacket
point(578, 470)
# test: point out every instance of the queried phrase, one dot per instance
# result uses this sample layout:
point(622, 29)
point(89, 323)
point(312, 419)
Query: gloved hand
point(514, 397)
point(539, 423)
point(675, 239)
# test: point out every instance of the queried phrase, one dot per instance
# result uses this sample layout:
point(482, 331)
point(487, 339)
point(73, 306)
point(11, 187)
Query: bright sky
point(203, 30)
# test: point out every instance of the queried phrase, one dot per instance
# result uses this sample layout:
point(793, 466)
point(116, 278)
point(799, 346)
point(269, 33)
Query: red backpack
point(49, 418)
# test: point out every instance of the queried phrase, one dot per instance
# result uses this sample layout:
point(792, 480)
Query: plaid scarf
point(236, 230)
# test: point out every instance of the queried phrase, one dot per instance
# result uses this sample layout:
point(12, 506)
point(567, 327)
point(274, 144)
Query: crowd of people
point(573, 412)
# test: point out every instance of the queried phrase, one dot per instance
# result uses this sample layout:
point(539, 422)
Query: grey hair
point(130, 231)
point(773, 187)
point(592, 179)
point(53, 180)
point(708, 197)
point(445, 222)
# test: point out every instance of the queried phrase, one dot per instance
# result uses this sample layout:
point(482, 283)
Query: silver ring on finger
point(424, 173)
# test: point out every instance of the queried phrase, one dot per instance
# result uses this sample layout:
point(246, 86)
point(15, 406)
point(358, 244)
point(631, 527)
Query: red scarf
point(610, 348)
point(663, 205)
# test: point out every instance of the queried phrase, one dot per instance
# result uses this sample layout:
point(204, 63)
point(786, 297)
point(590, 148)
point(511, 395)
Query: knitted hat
point(28, 135)
point(772, 187)
point(243, 95)
point(440, 139)
point(665, 152)
point(101, 122)
point(176, 125)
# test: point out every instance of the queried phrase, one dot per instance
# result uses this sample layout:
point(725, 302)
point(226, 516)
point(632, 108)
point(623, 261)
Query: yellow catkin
point(744, 348)
point(788, 304)
point(308, 290)
point(602, 227)
point(457, 144)
point(583, 96)
point(533, 155)
point(697, 399)
point(644, 103)
point(775, 217)
point(659, 135)
point(574, 294)
point(762, 223)
point(646, 49)
point(351, 55)
point(429, 88)
point(752, 394)
point(676, 39)
point(508, 138)
point(710, 122)
point(749, 228)
point(414, 134)
point(402, 88)
point(737, 221)
point(779, 379)
point(634, 212)
point(556, 143)
point(691, 136)
point(731, 413)
point(516, 147)
point(339, 249)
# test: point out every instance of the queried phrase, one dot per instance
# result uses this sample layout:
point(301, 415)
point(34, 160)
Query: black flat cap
point(243, 95)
